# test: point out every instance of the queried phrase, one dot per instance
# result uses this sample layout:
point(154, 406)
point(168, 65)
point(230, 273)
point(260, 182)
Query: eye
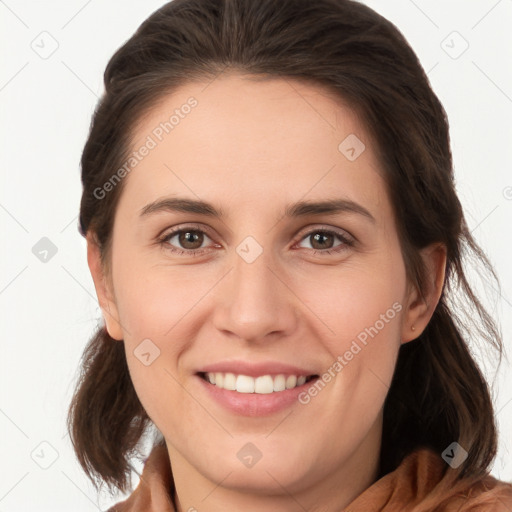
point(190, 240)
point(187, 240)
point(324, 241)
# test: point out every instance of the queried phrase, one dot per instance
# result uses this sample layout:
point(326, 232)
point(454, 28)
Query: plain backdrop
point(53, 57)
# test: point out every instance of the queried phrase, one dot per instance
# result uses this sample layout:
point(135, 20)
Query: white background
point(49, 309)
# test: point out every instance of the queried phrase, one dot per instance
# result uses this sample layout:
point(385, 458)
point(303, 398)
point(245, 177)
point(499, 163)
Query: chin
point(260, 480)
point(266, 475)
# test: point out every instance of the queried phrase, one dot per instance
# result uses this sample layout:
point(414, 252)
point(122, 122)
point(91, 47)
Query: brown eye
point(185, 241)
point(322, 240)
point(190, 239)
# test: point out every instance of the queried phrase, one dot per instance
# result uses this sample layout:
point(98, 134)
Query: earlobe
point(422, 303)
point(103, 289)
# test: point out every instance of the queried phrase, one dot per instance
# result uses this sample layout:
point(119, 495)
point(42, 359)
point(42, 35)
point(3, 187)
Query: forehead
point(245, 139)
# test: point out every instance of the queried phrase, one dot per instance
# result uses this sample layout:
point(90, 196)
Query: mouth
point(262, 385)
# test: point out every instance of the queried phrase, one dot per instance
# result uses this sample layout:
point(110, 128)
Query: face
point(255, 290)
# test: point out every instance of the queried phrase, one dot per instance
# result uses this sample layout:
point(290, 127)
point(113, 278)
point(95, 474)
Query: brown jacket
point(422, 483)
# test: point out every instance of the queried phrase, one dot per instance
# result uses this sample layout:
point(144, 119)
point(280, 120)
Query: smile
point(264, 384)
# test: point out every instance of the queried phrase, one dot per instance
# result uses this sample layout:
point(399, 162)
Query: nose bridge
point(255, 302)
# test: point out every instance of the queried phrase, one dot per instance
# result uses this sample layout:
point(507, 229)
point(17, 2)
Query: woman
point(275, 242)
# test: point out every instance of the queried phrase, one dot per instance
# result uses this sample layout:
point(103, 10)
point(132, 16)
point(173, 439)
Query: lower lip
point(254, 404)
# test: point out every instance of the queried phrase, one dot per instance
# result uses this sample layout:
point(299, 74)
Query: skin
point(251, 147)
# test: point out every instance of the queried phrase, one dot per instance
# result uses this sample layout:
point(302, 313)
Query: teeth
point(291, 381)
point(279, 383)
point(264, 384)
point(244, 384)
point(230, 381)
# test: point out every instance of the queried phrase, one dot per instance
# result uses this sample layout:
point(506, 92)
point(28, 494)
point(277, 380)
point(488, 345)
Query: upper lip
point(252, 369)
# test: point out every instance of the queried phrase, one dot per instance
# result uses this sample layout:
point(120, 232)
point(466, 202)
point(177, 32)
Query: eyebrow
point(294, 210)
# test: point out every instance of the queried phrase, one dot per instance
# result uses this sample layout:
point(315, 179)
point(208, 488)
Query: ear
point(103, 288)
point(421, 306)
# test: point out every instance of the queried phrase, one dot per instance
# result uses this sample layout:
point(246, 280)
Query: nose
point(255, 302)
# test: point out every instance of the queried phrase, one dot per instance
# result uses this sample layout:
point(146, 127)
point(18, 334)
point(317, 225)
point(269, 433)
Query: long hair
point(438, 394)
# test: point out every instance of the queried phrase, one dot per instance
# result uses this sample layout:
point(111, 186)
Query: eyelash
point(164, 241)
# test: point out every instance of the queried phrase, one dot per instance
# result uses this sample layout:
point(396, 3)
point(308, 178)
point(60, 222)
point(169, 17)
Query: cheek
point(153, 307)
point(361, 310)
point(356, 302)
point(153, 300)
point(161, 311)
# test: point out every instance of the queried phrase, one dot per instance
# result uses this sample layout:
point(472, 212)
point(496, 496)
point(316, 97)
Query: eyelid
point(342, 233)
point(176, 229)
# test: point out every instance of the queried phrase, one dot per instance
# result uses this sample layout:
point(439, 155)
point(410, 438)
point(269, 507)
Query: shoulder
point(424, 483)
point(449, 494)
point(485, 494)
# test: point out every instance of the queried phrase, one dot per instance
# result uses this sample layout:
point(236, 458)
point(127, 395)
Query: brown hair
point(347, 47)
